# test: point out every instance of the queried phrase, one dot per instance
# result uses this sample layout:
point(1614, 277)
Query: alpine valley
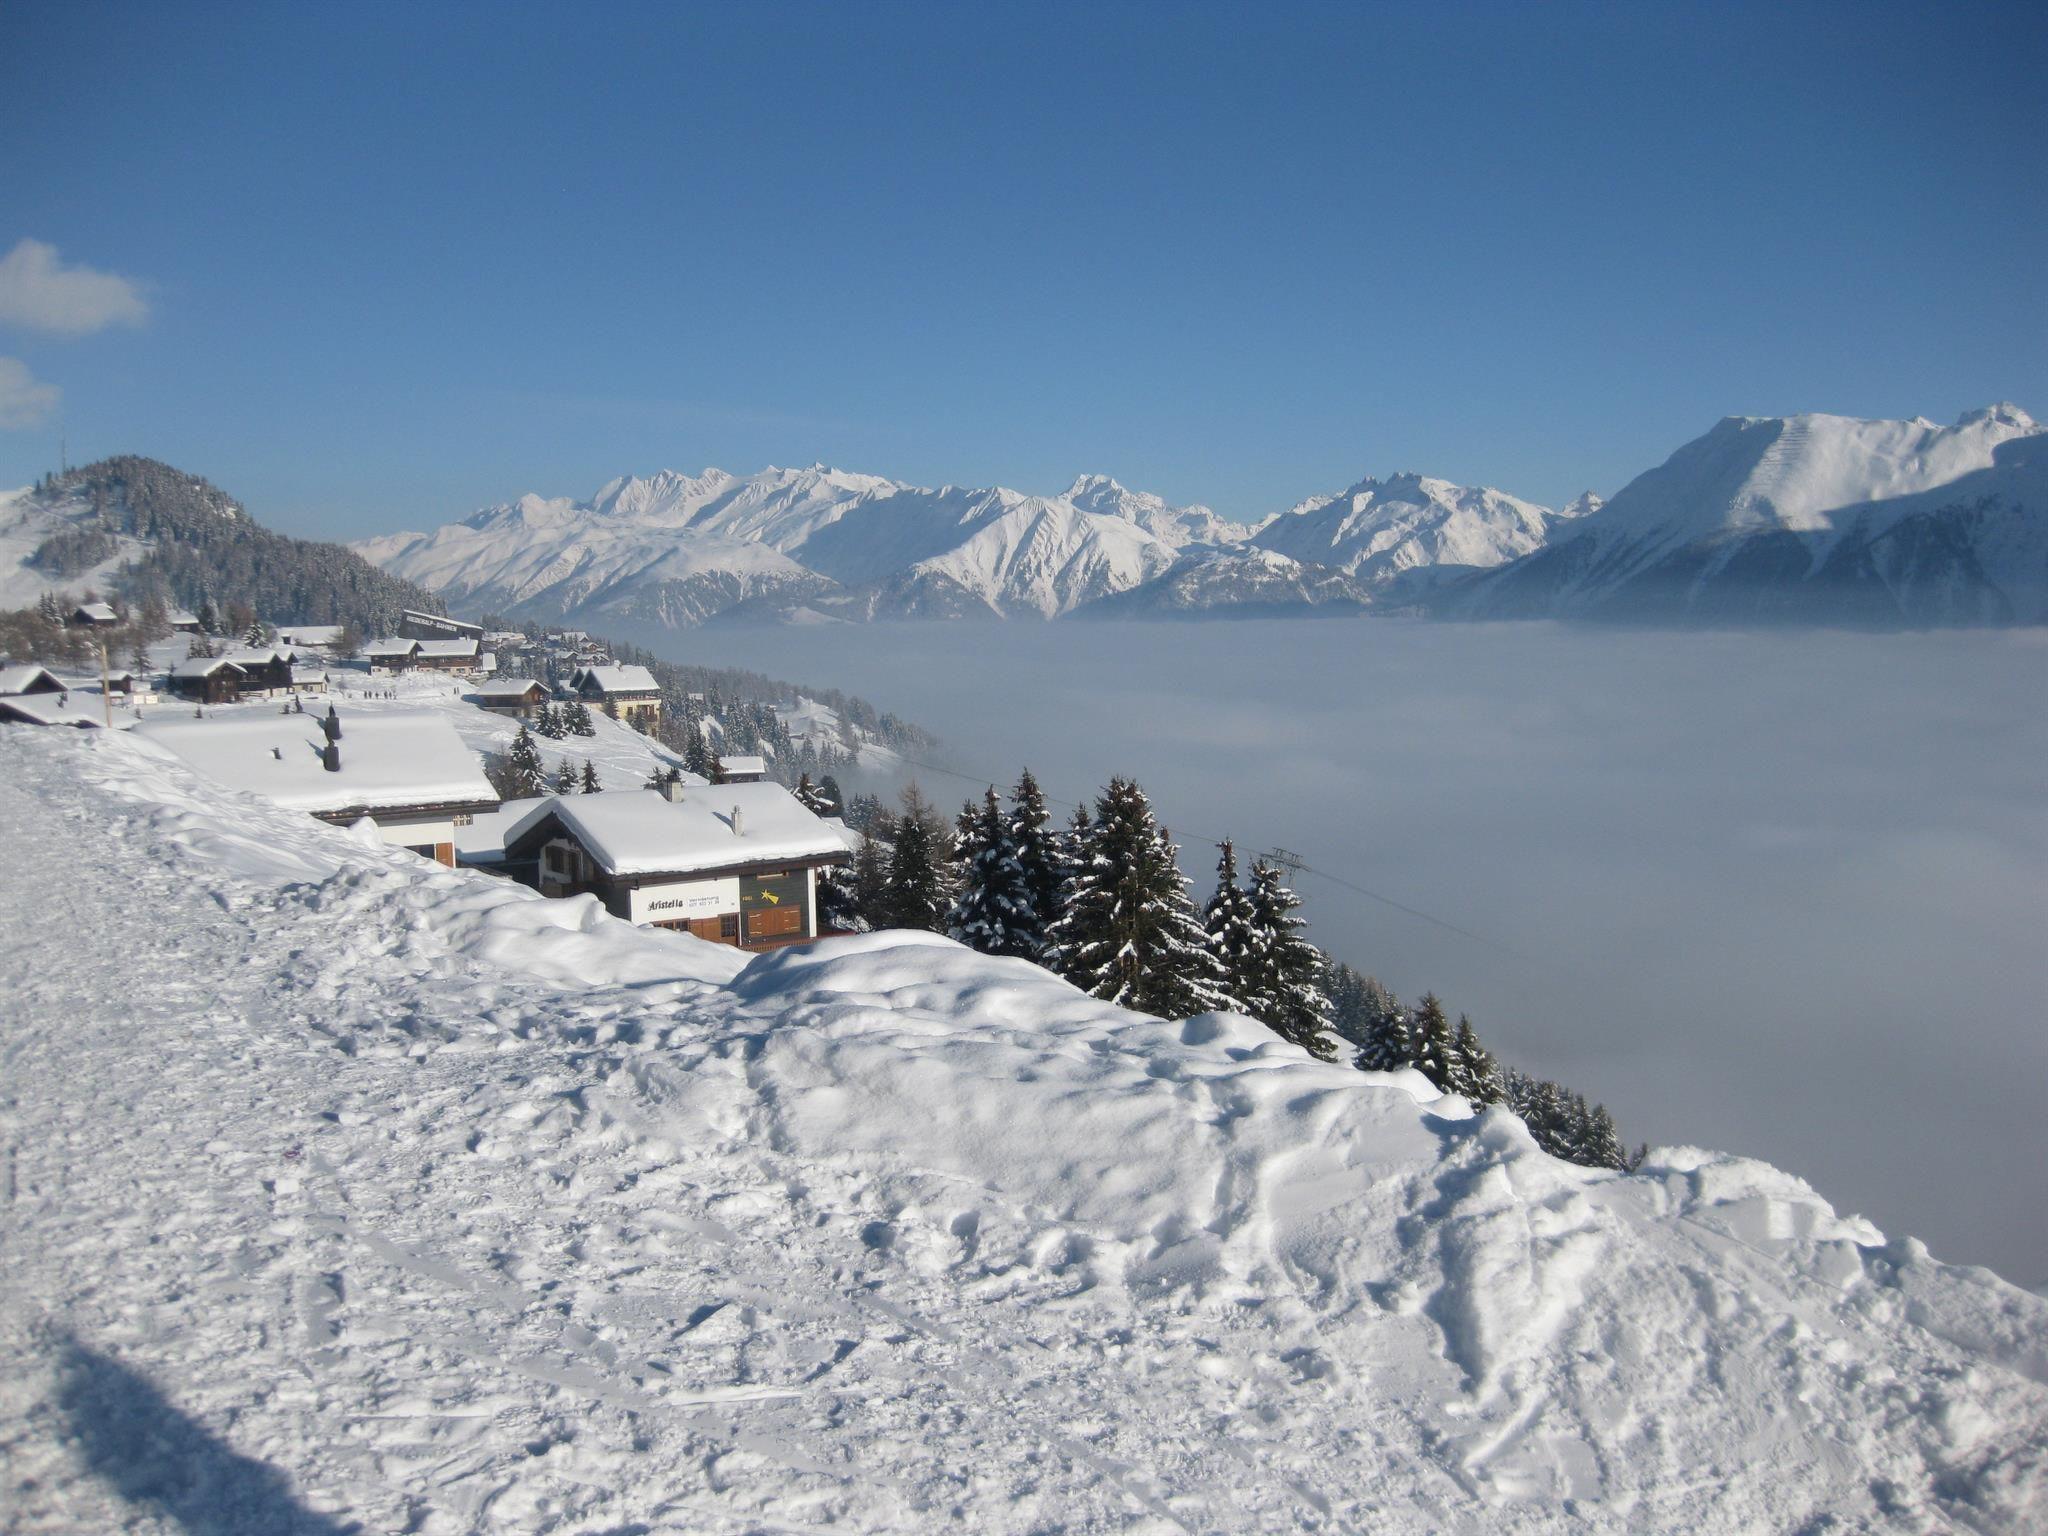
point(1803, 519)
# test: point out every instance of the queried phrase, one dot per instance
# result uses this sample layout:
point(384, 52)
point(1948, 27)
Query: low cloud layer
point(25, 401)
point(1775, 893)
point(40, 292)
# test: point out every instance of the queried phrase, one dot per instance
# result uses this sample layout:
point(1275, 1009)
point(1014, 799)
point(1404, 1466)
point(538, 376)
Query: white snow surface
point(343, 1191)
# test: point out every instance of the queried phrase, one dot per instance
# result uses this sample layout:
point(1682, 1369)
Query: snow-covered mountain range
point(1808, 518)
point(678, 549)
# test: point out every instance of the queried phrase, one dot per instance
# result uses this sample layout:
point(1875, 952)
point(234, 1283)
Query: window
point(729, 926)
point(464, 819)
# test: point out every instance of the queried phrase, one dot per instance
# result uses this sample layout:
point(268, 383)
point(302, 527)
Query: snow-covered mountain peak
point(1379, 528)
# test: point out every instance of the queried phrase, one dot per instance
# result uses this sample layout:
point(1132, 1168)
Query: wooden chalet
point(732, 863)
point(519, 697)
point(742, 768)
point(266, 669)
point(206, 680)
point(393, 653)
point(183, 620)
point(630, 692)
point(93, 616)
point(446, 655)
point(406, 770)
point(28, 679)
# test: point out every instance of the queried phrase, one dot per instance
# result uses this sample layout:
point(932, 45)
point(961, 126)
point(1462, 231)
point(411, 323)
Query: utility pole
point(106, 690)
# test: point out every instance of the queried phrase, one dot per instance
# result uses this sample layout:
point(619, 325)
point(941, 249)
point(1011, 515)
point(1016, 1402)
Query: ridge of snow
point(615, 1228)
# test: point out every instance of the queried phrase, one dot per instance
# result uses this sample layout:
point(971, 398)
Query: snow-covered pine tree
point(870, 880)
point(992, 909)
point(1289, 998)
point(550, 722)
point(697, 754)
point(828, 793)
point(808, 796)
point(1479, 1071)
point(589, 782)
point(1435, 1048)
point(526, 774)
point(1038, 855)
point(839, 899)
point(580, 722)
point(917, 895)
point(1129, 932)
point(1232, 935)
point(565, 778)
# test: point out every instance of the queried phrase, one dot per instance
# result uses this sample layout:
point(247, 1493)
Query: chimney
point(331, 758)
point(735, 821)
point(672, 791)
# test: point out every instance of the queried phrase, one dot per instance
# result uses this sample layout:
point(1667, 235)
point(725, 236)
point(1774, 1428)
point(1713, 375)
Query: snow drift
point(443, 1207)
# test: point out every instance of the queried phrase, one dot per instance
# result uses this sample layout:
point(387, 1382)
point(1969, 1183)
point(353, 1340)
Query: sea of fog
point(1781, 893)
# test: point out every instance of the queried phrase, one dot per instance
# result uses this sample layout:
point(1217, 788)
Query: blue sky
point(399, 262)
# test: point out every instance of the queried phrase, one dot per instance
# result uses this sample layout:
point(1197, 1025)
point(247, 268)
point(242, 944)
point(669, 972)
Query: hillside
point(1808, 519)
point(421, 1202)
point(131, 526)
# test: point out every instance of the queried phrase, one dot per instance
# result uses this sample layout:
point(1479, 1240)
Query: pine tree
point(1435, 1048)
point(833, 801)
point(1038, 853)
point(590, 782)
point(917, 896)
point(992, 911)
point(1288, 997)
point(138, 661)
point(839, 904)
point(565, 778)
point(1479, 1073)
point(1227, 920)
point(1129, 932)
point(580, 722)
point(253, 636)
point(809, 798)
point(526, 774)
point(870, 881)
point(697, 755)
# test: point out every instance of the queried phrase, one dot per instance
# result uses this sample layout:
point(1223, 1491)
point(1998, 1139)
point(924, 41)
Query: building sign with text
point(684, 901)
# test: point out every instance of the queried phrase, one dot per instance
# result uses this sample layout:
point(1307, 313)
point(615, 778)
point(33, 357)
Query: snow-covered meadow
point(345, 1192)
point(1778, 892)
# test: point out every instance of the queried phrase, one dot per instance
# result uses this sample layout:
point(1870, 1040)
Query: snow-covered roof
point(390, 645)
point(508, 687)
point(258, 655)
point(52, 709)
point(21, 679)
point(742, 763)
point(201, 666)
point(642, 832)
point(619, 679)
point(99, 613)
point(483, 840)
point(388, 760)
point(181, 616)
point(446, 647)
point(310, 634)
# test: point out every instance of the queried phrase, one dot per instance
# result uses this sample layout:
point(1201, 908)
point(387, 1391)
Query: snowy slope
point(398, 1197)
point(26, 520)
point(1811, 517)
point(1240, 582)
point(1379, 528)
